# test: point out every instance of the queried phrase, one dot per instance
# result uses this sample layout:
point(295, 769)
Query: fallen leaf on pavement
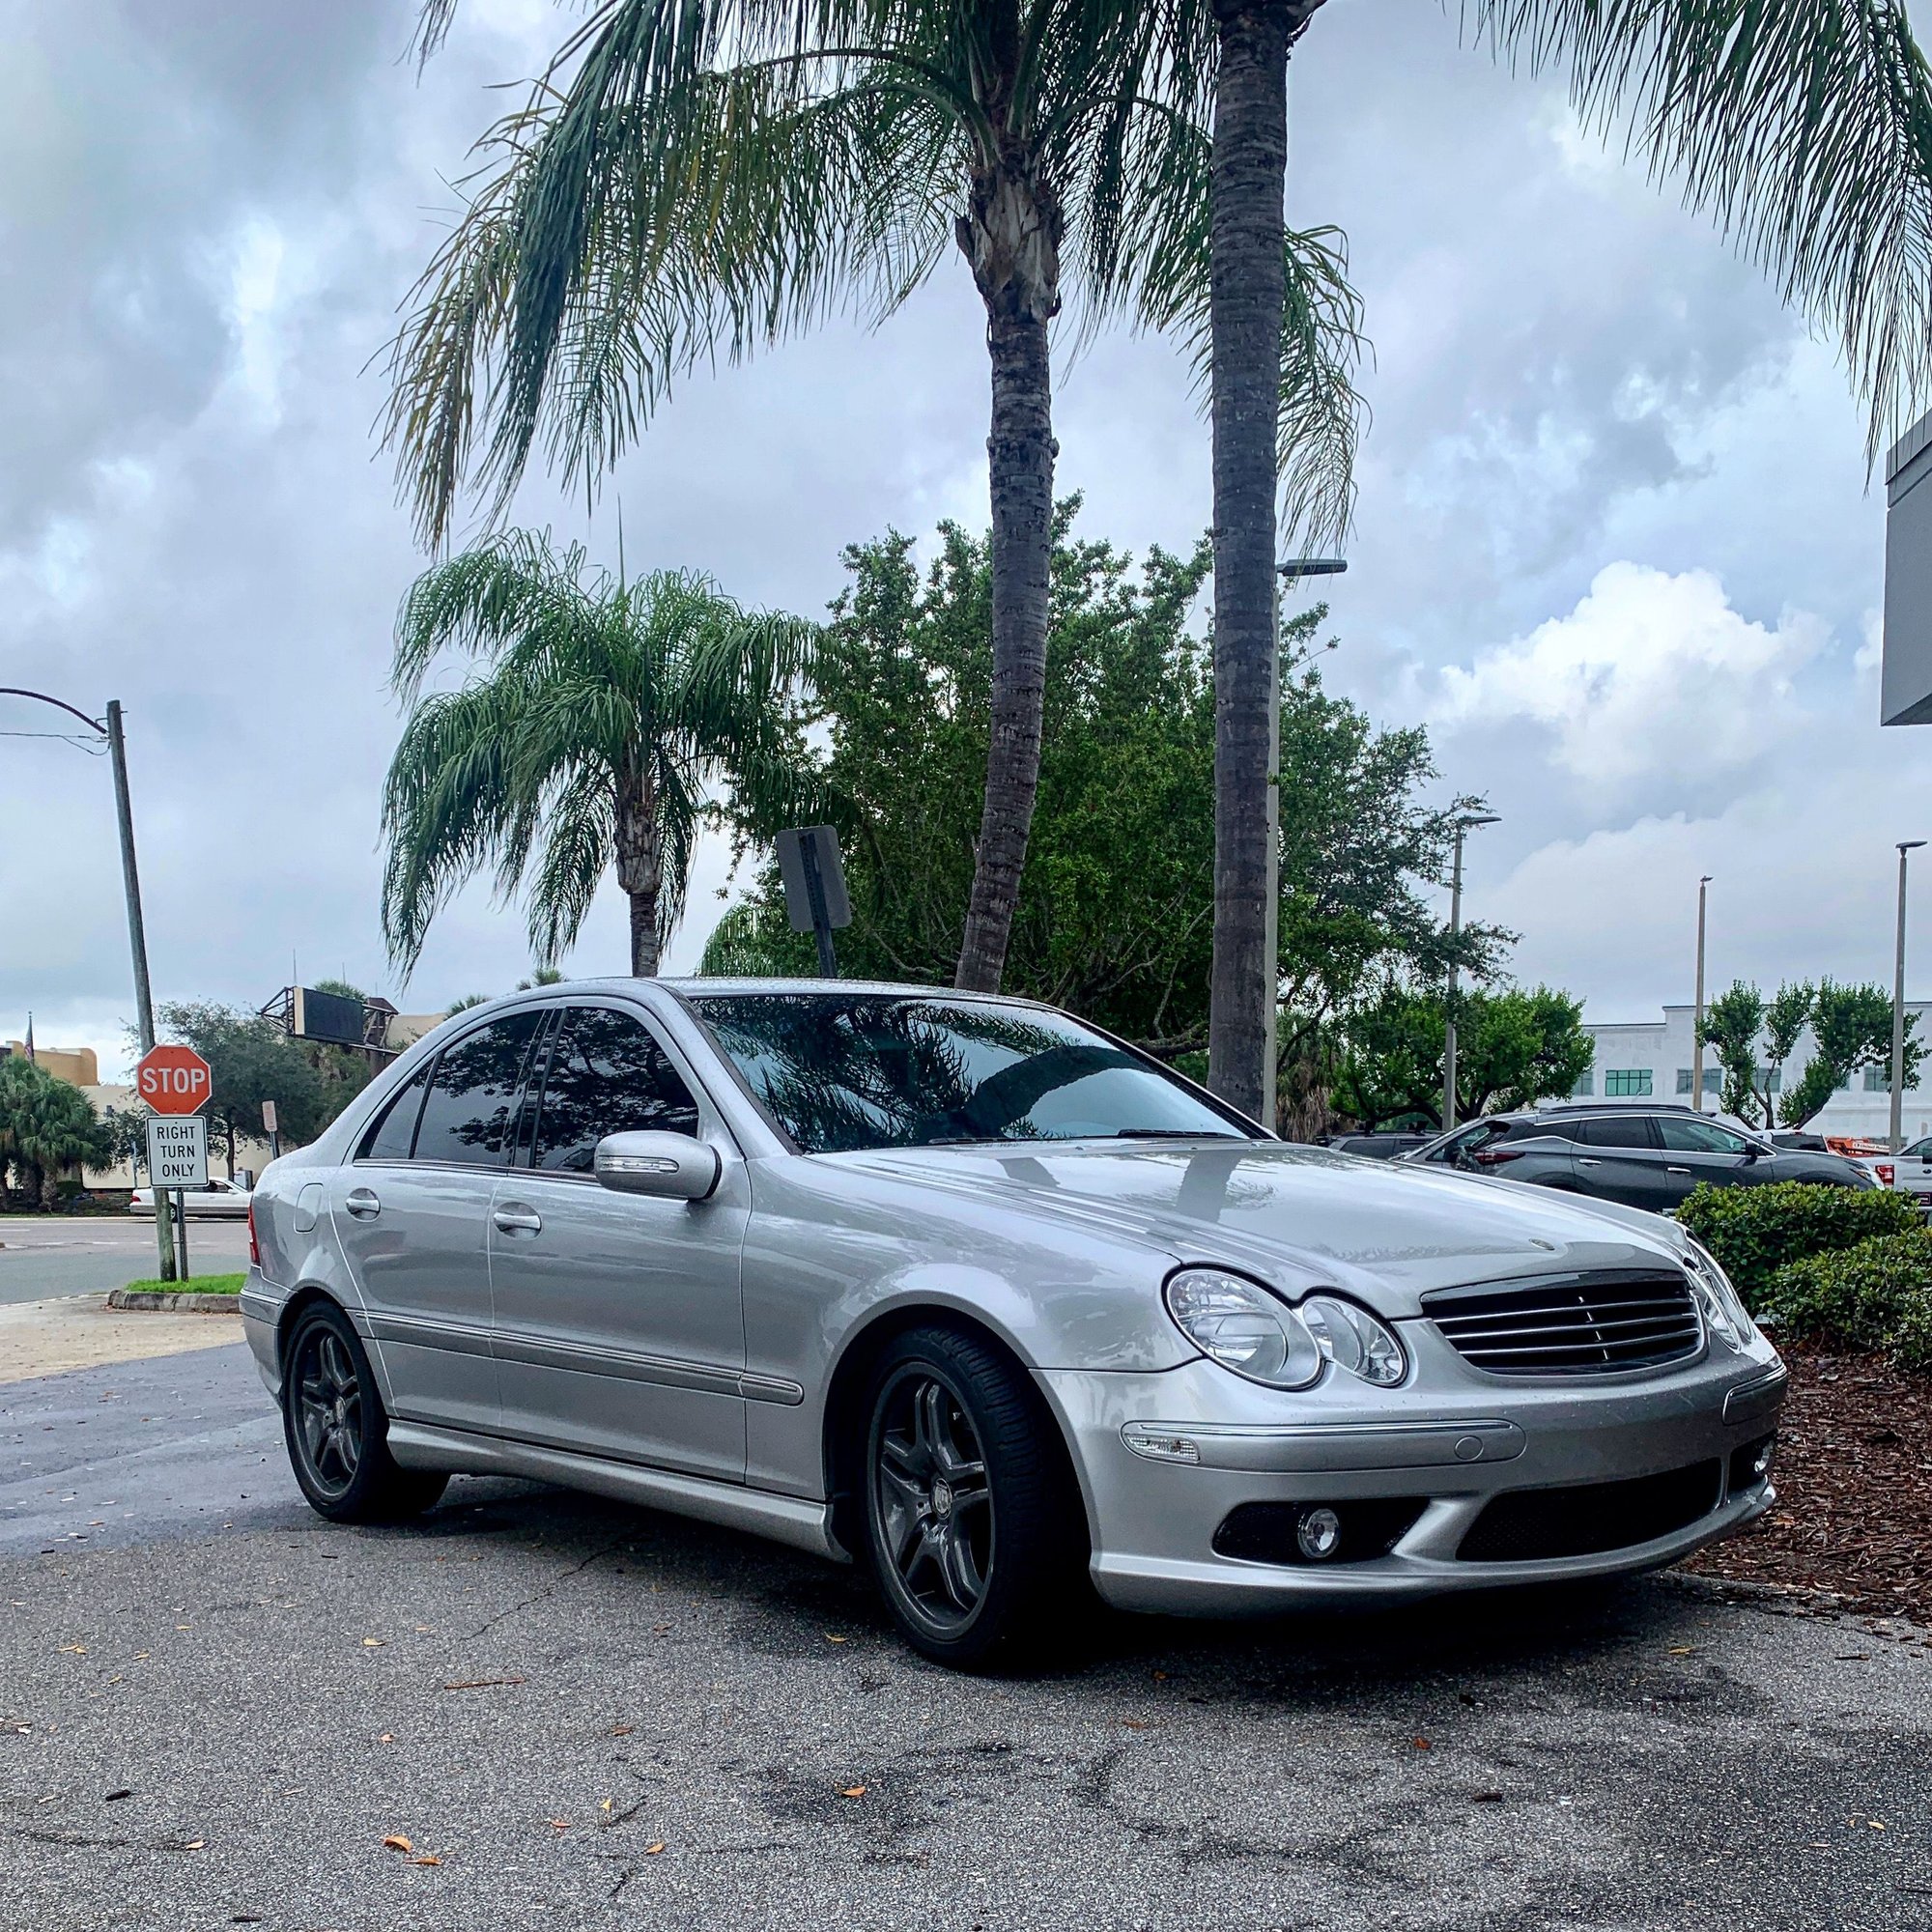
point(853, 1791)
point(372, 1644)
point(427, 1859)
point(829, 1638)
point(560, 1824)
point(387, 1737)
point(396, 1842)
point(1135, 1724)
point(651, 1851)
point(125, 1791)
point(483, 1683)
point(73, 1650)
point(604, 1805)
point(1422, 1744)
point(621, 1730)
point(1683, 1650)
point(194, 1845)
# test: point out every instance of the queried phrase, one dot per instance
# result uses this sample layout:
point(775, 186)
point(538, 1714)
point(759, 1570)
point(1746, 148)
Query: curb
point(153, 1300)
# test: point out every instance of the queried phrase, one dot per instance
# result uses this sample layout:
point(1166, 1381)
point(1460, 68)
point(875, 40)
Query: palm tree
point(47, 1126)
point(694, 174)
point(1803, 128)
point(606, 710)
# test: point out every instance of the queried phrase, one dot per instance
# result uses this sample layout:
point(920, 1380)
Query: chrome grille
point(1571, 1324)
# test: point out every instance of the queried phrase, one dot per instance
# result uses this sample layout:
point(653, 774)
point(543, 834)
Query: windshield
point(841, 1073)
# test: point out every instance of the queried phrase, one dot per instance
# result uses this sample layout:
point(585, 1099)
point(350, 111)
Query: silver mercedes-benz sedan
point(969, 1291)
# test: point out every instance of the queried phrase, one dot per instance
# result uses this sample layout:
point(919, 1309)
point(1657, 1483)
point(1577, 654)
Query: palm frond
point(1803, 129)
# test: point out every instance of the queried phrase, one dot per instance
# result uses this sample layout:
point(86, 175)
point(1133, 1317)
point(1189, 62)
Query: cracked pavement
point(214, 1709)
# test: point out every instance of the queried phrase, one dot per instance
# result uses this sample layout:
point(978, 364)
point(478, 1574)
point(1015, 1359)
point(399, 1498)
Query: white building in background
point(1651, 1060)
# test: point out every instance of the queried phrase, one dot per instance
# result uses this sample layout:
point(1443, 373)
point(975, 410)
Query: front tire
point(337, 1431)
point(974, 1527)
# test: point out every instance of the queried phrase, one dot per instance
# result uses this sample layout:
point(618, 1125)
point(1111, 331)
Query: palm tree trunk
point(1248, 292)
point(640, 866)
point(1012, 239)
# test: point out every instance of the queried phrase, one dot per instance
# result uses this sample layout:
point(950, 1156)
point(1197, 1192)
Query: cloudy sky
point(1616, 546)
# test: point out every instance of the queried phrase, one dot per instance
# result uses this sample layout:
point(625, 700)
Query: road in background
point(41, 1256)
point(214, 1708)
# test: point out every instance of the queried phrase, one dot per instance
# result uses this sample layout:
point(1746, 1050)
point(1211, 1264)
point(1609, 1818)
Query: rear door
point(619, 1319)
point(413, 1214)
point(1620, 1157)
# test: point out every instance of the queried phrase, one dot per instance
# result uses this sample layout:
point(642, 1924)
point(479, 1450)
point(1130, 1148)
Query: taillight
point(1884, 1170)
point(1496, 1156)
point(254, 1246)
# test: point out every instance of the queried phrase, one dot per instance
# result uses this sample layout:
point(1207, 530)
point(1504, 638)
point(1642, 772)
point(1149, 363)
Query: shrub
point(1875, 1295)
point(1753, 1231)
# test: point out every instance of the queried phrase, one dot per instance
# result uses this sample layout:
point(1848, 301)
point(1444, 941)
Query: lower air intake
point(1588, 1519)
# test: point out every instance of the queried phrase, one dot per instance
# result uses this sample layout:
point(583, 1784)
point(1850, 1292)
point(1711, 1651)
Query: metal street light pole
point(1292, 573)
point(1697, 1017)
point(138, 938)
point(1897, 1139)
point(1463, 822)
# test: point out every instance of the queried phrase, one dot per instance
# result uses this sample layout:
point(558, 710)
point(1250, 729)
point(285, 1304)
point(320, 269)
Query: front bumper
point(1451, 1439)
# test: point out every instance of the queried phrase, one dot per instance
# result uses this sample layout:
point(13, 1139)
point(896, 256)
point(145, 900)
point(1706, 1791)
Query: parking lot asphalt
point(44, 1255)
point(215, 1709)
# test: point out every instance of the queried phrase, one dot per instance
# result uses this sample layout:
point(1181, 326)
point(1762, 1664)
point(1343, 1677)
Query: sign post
point(269, 1127)
point(175, 1082)
point(815, 887)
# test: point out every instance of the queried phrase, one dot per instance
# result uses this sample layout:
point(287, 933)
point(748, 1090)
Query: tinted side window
point(1542, 1130)
point(393, 1129)
point(471, 1113)
point(1618, 1131)
point(1700, 1137)
point(607, 1076)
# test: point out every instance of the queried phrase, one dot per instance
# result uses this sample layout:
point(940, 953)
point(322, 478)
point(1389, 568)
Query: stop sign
point(173, 1079)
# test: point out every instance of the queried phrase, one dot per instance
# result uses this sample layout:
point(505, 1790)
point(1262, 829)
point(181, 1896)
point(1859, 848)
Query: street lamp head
point(1704, 879)
point(1469, 820)
point(1296, 567)
point(1910, 844)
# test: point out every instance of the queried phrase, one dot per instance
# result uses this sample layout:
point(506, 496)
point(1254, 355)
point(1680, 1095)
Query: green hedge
point(1875, 1295)
point(1754, 1231)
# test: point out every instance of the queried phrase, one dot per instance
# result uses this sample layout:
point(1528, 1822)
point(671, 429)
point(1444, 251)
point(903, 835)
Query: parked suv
point(1643, 1157)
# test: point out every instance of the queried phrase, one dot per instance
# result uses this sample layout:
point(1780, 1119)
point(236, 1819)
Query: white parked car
point(1912, 1172)
point(228, 1200)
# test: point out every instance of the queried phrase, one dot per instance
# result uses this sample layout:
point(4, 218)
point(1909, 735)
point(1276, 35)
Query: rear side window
point(1693, 1136)
point(1542, 1130)
point(395, 1128)
point(469, 1115)
point(1618, 1131)
point(608, 1075)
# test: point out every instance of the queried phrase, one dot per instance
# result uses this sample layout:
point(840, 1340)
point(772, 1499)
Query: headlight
point(1352, 1339)
point(1244, 1327)
point(1724, 1306)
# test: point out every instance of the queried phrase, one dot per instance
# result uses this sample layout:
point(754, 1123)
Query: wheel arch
point(842, 1447)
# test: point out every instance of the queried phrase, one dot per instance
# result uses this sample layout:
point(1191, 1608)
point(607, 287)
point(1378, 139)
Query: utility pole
point(1463, 822)
point(1898, 1137)
point(1698, 1016)
point(137, 939)
point(138, 943)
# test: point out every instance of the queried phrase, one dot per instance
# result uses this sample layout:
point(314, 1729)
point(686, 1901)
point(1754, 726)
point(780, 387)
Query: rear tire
point(973, 1524)
point(337, 1430)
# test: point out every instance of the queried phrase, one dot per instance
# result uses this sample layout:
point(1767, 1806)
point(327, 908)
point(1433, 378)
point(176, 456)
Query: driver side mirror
point(672, 1167)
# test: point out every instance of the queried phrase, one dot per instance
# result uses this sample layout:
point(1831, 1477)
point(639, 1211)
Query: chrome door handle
point(361, 1201)
point(1677, 1170)
point(518, 1220)
point(1584, 1160)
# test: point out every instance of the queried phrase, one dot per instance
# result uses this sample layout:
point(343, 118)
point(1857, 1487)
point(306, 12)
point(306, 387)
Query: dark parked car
point(1375, 1146)
point(1643, 1157)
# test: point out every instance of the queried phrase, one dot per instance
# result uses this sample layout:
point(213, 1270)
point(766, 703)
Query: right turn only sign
point(177, 1151)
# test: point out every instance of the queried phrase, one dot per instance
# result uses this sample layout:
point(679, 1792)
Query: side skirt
point(805, 1525)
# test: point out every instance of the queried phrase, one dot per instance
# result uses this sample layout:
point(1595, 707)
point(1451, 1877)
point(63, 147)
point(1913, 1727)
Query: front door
point(411, 1211)
point(1696, 1151)
point(619, 1319)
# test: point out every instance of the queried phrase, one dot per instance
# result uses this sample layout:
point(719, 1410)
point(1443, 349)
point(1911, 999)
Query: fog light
point(1318, 1534)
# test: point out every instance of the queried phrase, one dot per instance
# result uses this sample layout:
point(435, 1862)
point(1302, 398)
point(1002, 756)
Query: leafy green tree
point(1803, 129)
point(1851, 1029)
point(1732, 1024)
point(251, 1060)
point(697, 174)
point(47, 1126)
point(604, 712)
point(1114, 913)
point(1513, 1048)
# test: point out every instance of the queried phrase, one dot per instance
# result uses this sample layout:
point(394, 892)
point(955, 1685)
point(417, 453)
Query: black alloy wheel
point(976, 1530)
point(932, 1503)
point(337, 1431)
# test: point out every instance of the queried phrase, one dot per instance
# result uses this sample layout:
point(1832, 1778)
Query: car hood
point(1294, 1216)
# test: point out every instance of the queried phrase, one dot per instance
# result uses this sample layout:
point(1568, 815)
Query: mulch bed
point(1854, 1477)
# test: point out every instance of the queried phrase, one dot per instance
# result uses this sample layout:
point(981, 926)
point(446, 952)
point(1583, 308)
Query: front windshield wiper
point(1173, 1134)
